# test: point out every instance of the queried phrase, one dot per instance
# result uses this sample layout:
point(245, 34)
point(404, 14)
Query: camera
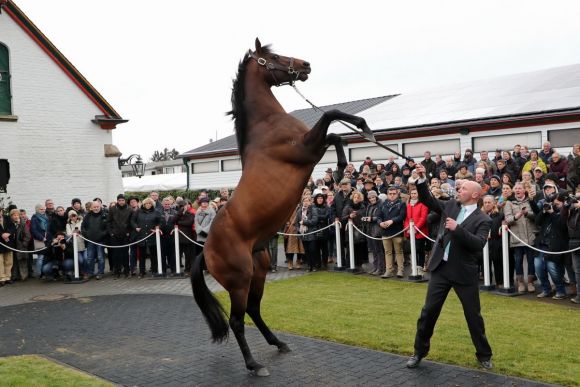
point(547, 206)
point(569, 200)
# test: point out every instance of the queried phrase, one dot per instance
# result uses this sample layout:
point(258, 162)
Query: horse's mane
point(238, 112)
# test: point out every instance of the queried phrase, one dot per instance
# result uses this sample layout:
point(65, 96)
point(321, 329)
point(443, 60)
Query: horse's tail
point(212, 310)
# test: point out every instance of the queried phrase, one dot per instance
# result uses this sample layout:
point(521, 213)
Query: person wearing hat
point(371, 227)
point(77, 206)
point(368, 185)
point(494, 186)
point(317, 218)
point(119, 228)
point(73, 226)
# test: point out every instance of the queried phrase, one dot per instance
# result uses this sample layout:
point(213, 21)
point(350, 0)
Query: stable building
point(56, 127)
point(526, 109)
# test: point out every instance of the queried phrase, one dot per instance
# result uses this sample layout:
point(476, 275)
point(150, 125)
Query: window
point(205, 166)
point(564, 138)
point(374, 152)
point(5, 97)
point(490, 143)
point(442, 147)
point(169, 170)
point(232, 165)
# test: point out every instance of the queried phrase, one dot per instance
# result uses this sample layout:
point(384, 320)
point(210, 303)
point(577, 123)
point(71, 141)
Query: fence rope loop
point(541, 251)
point(421, 232)
point(116, 247)
point(381, 238)
point(189, 239)
point(308, 233)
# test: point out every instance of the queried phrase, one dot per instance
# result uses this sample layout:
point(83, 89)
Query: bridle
point(273, 66)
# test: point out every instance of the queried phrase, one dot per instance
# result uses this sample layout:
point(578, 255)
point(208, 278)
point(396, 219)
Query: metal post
point(414, 274)
point(177, 252)
point(338, 246)
point(351, 245)
point(76, 255)
point(158, 246)
point(506, 288)
point(486, 275)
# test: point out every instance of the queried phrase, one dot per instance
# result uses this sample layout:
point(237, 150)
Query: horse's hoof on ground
point(262, 372)
point(284, 348)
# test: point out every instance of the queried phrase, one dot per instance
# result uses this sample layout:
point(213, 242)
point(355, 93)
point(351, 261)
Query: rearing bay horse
point(278, 155)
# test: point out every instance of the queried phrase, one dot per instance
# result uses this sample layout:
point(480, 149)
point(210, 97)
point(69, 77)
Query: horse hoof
point(284, 348)
point(262, 372)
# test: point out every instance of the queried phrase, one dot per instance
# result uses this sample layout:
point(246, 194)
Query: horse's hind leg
point(261, 260)
point(238, 298)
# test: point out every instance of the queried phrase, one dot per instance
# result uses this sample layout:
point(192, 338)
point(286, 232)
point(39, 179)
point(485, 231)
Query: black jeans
point(119, 256)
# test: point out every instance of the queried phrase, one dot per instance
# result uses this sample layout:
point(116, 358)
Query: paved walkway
point(162, 340)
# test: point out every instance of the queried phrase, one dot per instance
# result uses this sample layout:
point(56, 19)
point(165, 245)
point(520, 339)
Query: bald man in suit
point(463, 234)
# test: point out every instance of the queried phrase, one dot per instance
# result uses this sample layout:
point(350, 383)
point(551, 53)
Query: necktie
point(459, 220)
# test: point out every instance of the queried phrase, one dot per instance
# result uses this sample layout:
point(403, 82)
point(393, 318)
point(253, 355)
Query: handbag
point(39, 245)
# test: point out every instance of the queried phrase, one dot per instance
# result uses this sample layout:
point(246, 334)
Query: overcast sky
point(167, 66)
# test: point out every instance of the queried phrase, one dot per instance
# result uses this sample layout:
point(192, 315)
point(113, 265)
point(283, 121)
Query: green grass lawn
point(530, 339)
point(41, 372)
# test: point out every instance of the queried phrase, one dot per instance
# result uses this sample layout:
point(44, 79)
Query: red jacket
point(418, 213)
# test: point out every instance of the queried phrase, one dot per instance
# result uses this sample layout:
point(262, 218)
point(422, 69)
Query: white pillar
point(76, 254)
point(413, 248)
point(177, 252)
point(338, 245)
point(158, 246)
point(505, 257)
point(351, 243)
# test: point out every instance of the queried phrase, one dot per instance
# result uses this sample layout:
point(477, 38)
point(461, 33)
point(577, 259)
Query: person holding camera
point(552, 237)
point(571, 215)
point(73, 226)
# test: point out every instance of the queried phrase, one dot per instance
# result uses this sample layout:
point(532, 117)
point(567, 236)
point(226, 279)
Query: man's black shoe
point(487, 364)
point(414, 361)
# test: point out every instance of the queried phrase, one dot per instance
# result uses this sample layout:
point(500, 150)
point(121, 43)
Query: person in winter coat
point(520, 219)
point(317, 217)
point(58, 221)
point(119, 229)
point(94, 229)
point(559, 167)
point(390, 218)
point(571, 215)
point(430, 165)
point(8, 239)
point(185, 218)
point(74, 226)
point(167, 226)
point(552, 237)
point(40, 231)
point(22, 240)
point(144, 222)
point(203, 220)
point(494, 240)
point(574, 167)
point(293, 244)
point(372, 228)
point(417, 212)
point(355, 211)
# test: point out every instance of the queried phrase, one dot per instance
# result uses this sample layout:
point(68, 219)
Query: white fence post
point(338, 246)
point(177, 252)
point(351, 244)
point(412, 240)
point(486, 275)
point(158, 247)
point(506, 288)
point(76, 255)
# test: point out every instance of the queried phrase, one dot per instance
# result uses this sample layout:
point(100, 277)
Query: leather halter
point(272, 66)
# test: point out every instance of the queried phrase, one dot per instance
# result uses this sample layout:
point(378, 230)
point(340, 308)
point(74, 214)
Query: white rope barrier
point(23, 251)
point(421, 232)
point(381, 238)
point(116, 247)
point(541, 251)
point(308, 233)
point(189, 239)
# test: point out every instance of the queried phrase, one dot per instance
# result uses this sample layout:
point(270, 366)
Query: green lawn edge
point(530, 339)
point(39, 371)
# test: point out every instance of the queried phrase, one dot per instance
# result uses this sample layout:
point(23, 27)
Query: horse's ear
point(258, 46)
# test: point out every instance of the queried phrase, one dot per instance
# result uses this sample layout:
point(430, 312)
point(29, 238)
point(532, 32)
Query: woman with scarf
point(73, 226)
point(302, 218)
point(355, 211)
point(372, 228)
point(318, 218)
point(40, 231)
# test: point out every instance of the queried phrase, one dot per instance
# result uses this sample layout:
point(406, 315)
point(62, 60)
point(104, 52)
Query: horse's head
point(281, 70)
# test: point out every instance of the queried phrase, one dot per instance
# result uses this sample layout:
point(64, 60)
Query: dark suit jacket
point(467, 241)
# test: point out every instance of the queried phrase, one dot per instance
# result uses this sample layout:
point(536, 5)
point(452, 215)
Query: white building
point(526, 109)
point(56, 127)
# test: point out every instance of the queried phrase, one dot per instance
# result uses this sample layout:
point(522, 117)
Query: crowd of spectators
point(120, 233)
point(534, 192)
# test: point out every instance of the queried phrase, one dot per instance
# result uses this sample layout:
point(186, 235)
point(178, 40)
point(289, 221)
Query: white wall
point(53, 148)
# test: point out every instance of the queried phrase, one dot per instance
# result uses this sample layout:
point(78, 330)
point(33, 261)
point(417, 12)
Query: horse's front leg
point(317, 135)
point(341, 163)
